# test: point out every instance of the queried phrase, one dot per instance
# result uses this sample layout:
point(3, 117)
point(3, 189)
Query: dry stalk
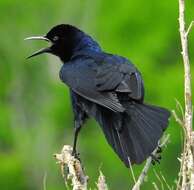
point(101, 184)
point(186, 178)
point(75, 171)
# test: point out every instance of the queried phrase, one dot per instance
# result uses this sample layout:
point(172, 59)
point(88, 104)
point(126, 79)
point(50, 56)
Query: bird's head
point(64, 39)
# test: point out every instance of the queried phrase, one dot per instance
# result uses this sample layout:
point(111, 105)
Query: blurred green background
point(35, 111)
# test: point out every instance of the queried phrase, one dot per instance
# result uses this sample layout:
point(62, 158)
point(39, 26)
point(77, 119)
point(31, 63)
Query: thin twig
point(178, 120)
point(182, 159)
point(147, 165)
point(164, 179)
point(131, 169)
point(44, 181)
point(158, 177)
point(190, 27)
point(155, 186)
point(180, 107)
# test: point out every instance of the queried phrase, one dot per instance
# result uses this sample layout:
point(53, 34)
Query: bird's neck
point(87, 43)
point(81, 42)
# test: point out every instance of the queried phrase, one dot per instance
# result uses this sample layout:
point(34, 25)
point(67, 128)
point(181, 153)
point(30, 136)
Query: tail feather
point(144, 133)
point(133, 134)
point(101, 116)
point(155, 113)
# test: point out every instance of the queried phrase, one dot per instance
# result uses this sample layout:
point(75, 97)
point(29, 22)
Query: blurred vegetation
point(35, 112)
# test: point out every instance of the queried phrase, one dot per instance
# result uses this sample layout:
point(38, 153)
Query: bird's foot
point(157, 157)
point(76, 155)
point(159, 150)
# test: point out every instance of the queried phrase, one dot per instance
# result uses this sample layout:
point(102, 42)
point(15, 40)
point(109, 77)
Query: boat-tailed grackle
point(108, 88)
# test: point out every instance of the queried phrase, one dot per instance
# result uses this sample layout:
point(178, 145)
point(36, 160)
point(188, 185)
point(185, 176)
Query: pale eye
point(55, 38)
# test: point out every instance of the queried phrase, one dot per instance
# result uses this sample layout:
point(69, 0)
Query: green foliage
point(35, 111)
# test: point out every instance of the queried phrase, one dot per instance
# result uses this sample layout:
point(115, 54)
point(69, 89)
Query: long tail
point(135, 133)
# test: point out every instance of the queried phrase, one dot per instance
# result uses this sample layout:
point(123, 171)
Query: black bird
point(108, 88)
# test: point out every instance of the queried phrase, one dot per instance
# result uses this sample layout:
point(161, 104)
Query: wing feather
point(80, 77)
point(121, 76)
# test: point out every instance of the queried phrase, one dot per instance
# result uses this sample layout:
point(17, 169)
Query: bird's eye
point(55, 38)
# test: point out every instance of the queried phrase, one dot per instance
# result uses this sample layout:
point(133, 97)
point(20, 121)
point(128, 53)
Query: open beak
point(41, 51)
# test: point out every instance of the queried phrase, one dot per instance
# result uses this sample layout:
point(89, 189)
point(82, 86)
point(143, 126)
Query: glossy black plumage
point(110, 89)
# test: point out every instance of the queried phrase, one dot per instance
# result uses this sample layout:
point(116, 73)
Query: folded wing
point(80, 77)
point(119, 75)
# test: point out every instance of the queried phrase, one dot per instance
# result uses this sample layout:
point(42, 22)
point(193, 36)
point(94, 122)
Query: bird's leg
point(77, 129)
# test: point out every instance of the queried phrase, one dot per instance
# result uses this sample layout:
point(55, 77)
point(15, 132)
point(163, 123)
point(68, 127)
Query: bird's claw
point(159, 150)
point(157, 157)
point(76, 155)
